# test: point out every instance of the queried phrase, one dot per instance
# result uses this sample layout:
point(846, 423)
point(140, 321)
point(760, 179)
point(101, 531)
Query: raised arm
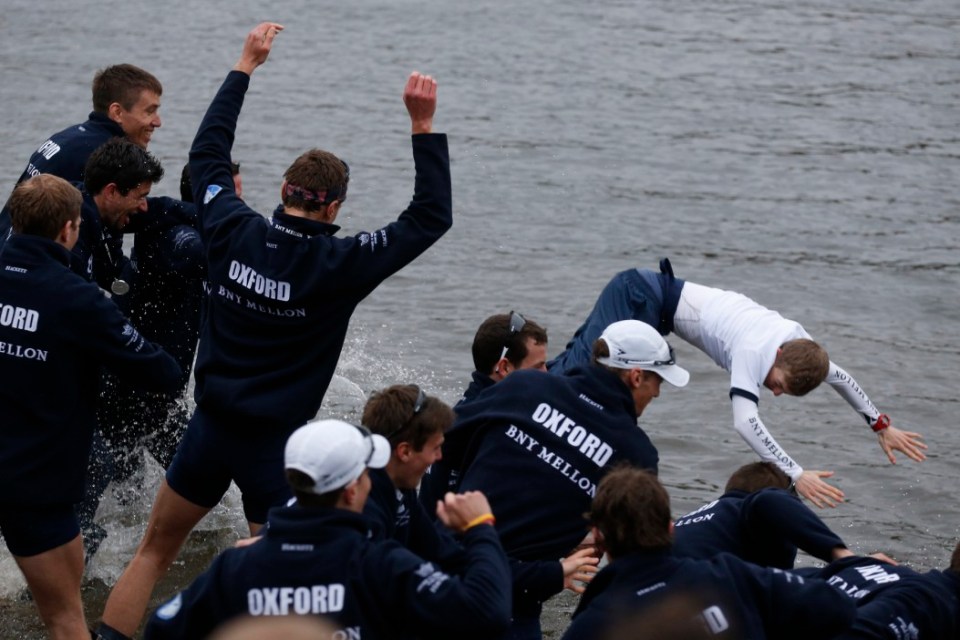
point(809, 484)
point(420, 97)
point(891, 438)
point(257, 47)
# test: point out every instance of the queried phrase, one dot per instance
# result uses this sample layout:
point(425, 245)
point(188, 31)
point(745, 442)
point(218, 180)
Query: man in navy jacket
point(895, 602)
point(280, 294)
point(630, 517)
point(758, 520)
point(317, 559)
point(56, 330)
point(538, 444)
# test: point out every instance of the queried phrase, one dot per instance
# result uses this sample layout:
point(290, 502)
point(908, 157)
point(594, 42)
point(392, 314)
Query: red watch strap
point(883, 421)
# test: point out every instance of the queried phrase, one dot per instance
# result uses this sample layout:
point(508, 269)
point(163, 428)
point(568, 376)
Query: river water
point(805, 153)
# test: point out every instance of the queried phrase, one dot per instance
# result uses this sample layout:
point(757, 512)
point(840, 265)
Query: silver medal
point(120, 287)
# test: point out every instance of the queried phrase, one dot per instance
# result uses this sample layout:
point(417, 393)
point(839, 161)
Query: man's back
point(537, 444)
point(739, 599)
point(321, 562)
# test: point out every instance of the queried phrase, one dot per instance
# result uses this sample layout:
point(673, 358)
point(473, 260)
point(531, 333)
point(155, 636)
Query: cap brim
point(677, 376)
point(381, 452)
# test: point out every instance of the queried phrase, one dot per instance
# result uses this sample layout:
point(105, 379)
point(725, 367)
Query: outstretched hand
point(811, 486)
point(579, 568)
point(420, 97)
point(257, 46)
point(908, 443)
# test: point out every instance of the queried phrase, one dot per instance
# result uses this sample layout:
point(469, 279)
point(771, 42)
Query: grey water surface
point(805, 153)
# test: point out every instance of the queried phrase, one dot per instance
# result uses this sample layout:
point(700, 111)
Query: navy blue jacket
point(738, 599)
point(56, 330)
point(281, 291)
point(764, 527)
point(537, 445)
point(66, 152)
point(396, 514)
point(478, 382)
point(924, 606)
point(322, 561)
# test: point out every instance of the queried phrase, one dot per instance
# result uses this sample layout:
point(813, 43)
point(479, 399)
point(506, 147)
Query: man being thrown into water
point(758, 346)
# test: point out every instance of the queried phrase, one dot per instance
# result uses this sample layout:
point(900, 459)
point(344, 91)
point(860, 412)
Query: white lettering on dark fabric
point(15, 269)
point(248, 278)
point(49, 149)
point(715, 620)
point(591, 402)
point(348, 633)
point(431, 577)
point(876, 573)
point(284, 601)
point(707, 517)
point(18, 318)
point(851, 590)
point(27, 353)
point(576, 436)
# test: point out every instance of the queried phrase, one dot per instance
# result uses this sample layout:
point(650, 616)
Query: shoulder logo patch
point(170, 609)
point(211, 193)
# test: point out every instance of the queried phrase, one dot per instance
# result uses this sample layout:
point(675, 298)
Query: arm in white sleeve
point(746, 420)
point(844, 384)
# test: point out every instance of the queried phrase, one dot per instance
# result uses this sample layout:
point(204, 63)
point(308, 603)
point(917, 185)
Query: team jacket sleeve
point(536, 581)
point(474, 604)
point(779, 515)
point(746, 420)
point(111, 339)
point(213, 188)
point(844, 384)
point(786, 601)
point(192, 613)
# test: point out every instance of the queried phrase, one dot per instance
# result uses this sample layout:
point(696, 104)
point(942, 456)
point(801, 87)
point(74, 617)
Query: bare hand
point(908, 443)
point(246, 542)
point(821, 494)
point(257, 46)
point(882, 557)
point(579, 568)
point(420, 96)
point(456, 510)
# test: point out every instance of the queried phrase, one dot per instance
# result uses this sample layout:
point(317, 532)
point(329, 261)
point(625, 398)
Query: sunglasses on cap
point(649, 363)
point(517, 322)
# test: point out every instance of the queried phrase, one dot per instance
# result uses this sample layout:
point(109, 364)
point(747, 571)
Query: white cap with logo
point(334, 453)
point(637, 345)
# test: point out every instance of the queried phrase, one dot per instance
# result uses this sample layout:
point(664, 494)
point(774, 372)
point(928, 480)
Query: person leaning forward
point(280, 294)
point(56, 331)
point(556, 436)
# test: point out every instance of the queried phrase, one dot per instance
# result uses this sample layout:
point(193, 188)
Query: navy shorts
point(30, 530)
point(210, 456)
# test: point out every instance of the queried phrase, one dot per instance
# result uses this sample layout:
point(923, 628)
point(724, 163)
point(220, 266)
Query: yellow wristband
point(486, 518)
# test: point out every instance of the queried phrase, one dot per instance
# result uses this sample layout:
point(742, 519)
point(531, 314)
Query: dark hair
point(123, 163)
point(186, 186)
point(302, 486)
point(123, 84)
point(41, 206)
point(805, 365)
point(758, 475)
point(391, 413)
point(494, 334)
point(632, 511)
point(955, 559)
point(316, 171)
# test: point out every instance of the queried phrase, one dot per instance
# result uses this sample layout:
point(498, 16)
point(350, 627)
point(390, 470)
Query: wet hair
point(494, 334)
point(805, 365)
point(42, 205)
point(392, 413)
point(123, 84)
point(123, 163)
point(315, 172)
point(632, 511)
point(186, 186)
point(302, 486)
point(758, 475)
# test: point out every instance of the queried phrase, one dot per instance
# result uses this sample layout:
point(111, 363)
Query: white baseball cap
point(334, 453)
point(637, 345)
